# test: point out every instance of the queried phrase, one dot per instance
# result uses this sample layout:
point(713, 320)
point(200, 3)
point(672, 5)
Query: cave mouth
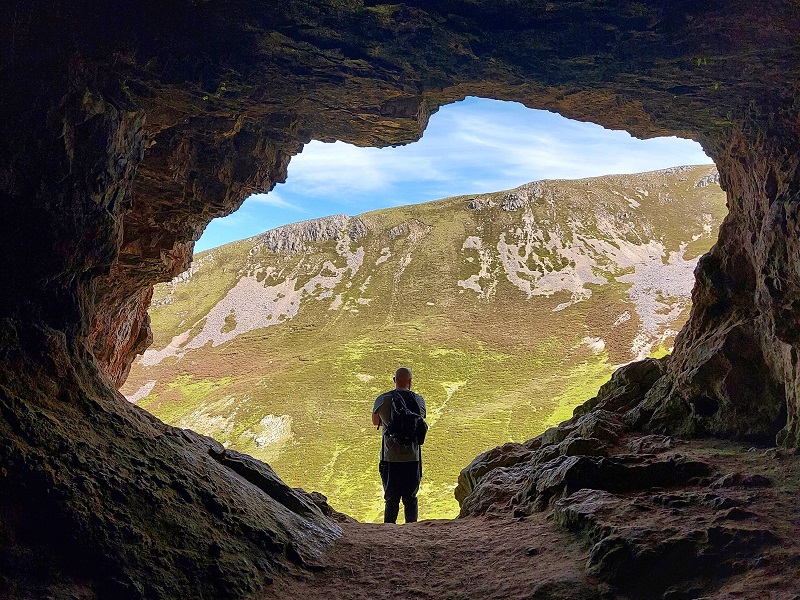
point(194, 374)
point(125, 132)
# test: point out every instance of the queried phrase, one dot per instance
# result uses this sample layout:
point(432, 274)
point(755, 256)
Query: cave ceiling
point(215, 98)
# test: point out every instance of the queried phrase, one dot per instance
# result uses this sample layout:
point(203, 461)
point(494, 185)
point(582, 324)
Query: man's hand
point(376, 420)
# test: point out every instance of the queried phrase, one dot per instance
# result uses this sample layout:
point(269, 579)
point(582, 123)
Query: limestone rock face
point(294, 237)
point(124, 129)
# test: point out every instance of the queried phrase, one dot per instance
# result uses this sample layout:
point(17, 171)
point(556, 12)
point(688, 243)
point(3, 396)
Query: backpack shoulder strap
point(410, 402)
point(399, 398)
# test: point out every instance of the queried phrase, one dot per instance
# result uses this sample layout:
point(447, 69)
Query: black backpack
point(406, 426)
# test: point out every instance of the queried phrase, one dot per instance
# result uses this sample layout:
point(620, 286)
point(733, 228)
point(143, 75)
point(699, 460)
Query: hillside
point(510, 308)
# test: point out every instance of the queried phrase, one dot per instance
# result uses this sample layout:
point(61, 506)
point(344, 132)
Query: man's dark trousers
point(400, 482)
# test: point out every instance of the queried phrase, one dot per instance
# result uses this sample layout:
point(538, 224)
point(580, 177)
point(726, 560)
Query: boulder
point(599, 424)
point(495, 493)
point(651, 444)
point(588, 446)
point(503, 456)
point(747, 480)
point(627, 386)
point(565, 475)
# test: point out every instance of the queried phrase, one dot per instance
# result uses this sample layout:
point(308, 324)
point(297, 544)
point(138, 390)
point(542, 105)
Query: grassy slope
point(491, 370)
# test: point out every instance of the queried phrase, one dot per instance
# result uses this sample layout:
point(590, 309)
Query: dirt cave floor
point(533, 557)
point(464, 558)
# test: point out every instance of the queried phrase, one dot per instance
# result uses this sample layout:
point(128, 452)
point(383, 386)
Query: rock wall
point(296, 237)
point(735, 363)
point(124, 129)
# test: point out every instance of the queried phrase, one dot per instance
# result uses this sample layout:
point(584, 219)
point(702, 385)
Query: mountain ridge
point(322, 224)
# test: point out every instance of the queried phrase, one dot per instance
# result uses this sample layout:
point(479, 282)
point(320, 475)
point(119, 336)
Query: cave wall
point(734, 367)
point(124, 129)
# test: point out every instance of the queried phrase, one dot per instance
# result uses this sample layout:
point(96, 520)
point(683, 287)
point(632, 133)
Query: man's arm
point(376, 417)
point(422, 408)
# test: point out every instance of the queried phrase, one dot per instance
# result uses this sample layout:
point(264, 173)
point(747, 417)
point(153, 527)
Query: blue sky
point(469, 147)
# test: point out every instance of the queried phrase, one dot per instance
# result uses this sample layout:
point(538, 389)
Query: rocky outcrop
point(656, 555)
point(734, 363)
point(707, 180)
point(125, 129)
point(512, 202)
point(295, 237)
point(547, 466)
point(661, 517)
point(596, 427)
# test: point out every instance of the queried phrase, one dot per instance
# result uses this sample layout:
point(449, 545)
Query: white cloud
point(273, 198)
point(479, 143)
point(519, 145)
point(340, 169)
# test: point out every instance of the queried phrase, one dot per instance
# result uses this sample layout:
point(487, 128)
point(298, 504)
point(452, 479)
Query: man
point(400, 466)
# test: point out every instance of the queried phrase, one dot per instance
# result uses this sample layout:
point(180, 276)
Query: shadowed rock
point(565, 475)
point(658, 523)
point(646, 554)
point(134, 508)
point(503, 456)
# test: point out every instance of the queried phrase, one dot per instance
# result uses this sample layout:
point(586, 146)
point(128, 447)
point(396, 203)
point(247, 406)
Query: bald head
point(402, 378)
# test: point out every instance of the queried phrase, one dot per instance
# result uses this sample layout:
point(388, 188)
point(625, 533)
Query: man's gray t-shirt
point(392, 451)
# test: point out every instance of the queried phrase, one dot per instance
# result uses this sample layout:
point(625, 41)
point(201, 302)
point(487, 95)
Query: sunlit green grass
point(491, 371)
point(477, 397)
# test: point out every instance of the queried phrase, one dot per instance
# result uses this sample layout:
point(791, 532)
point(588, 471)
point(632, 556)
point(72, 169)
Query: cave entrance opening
point(512, 301)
